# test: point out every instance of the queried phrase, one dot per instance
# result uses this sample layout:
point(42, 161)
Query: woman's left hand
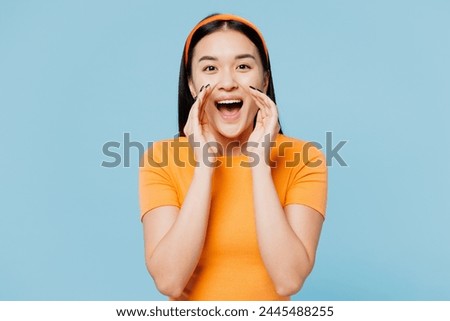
point(267, 125)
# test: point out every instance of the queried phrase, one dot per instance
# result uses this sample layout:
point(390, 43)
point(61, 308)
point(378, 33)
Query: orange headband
point(217, 18)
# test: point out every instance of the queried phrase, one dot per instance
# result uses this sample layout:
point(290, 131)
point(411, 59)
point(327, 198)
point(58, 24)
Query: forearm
point(283, 253)
point(177, 254)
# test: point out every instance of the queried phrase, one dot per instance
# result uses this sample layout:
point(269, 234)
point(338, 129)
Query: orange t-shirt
point(230, 267)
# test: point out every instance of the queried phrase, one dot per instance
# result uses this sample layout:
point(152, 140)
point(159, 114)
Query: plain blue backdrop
point(75, 75)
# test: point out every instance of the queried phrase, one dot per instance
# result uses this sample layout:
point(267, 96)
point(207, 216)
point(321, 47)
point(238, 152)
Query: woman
point(232, 209)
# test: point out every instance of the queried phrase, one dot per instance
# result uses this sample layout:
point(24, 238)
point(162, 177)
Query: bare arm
point(287, 238)
point(174, 237)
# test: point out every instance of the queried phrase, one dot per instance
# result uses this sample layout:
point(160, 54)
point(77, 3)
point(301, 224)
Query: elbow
point(292, 283)
point(168, 288)
point(165, 282)
point(289, 288)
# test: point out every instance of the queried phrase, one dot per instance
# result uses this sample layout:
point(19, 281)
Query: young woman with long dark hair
point(232, 209)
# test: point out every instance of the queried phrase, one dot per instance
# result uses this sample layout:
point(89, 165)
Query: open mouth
point(230, 107)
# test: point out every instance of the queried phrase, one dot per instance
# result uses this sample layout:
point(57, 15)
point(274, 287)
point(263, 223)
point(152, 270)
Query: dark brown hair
point(185, 99)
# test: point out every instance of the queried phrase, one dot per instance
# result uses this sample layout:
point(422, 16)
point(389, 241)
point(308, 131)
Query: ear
point(192, 88)
point(266, 81)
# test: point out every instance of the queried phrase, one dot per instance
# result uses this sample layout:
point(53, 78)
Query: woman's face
point(230, 63)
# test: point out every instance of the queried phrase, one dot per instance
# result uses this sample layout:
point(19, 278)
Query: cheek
point(250, 79)
point(199, 80)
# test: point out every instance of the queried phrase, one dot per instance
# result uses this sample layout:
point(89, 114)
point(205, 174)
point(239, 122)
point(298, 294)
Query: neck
point(232, 146)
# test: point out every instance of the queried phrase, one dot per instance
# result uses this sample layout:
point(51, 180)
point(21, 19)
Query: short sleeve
point(156, 188)
point(309, 182)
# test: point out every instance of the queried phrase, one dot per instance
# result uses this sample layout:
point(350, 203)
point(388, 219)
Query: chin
point(229, 131)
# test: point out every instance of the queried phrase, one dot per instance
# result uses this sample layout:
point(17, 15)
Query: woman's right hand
point(170, 230)
point(198, 131)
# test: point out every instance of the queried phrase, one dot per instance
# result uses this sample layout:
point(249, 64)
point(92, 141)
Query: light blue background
point(77, 74)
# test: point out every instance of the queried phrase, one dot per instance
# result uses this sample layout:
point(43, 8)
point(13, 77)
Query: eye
point(209, 68)
point(243, 67)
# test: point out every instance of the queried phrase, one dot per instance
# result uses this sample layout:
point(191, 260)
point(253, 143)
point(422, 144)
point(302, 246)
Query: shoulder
point(166, 153)
point(291, 149)
point(170, 143)
point(167, 147)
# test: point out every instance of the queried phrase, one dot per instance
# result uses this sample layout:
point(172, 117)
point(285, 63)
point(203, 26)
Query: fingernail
point(201, 88)
point(256, 89)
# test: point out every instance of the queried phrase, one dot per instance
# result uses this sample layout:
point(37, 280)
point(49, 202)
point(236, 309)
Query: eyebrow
point(245, 56)
point(237, 57)
point(207, 58)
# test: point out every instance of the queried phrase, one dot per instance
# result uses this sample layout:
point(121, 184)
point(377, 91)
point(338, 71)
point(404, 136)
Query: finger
point(263, 110)
point(261, 98)
point(270, 104)
point(205, 98)
point(201, 100)
point(188, 126)
point(192, 121)
point(269, 114)
point(257, 95)
point(259, 117)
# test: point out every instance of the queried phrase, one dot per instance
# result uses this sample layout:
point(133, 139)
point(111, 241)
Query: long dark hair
point(185, 99)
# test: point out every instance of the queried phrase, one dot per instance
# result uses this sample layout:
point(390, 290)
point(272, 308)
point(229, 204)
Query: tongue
point(229, 111)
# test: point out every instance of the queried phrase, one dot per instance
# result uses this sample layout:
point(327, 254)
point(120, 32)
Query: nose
point(227, 81)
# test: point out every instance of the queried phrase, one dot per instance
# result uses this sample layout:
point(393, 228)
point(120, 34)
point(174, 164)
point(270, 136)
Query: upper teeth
point(235, 101)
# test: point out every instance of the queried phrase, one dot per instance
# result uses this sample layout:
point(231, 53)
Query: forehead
point(223, 43)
